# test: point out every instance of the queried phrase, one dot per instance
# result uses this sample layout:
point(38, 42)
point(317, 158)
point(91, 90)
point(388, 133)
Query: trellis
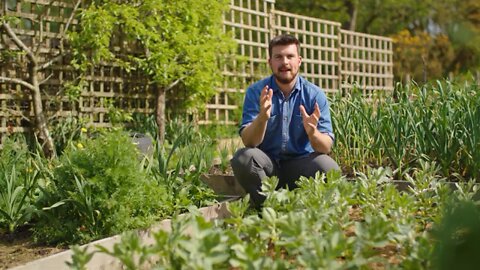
point(333, 58)
point(366, 62)
point(106, 86)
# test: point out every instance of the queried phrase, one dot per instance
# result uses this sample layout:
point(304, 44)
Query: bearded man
point(286, 126)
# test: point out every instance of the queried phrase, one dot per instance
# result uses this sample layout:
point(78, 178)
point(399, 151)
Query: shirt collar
point(274, 86)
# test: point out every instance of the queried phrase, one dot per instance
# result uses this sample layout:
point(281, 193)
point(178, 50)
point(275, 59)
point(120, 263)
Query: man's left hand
point(310, 121)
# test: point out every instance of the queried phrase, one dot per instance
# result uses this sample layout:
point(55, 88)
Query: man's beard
point(285, 80)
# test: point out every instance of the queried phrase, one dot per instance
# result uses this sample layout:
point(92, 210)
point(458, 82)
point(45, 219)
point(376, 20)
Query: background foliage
point(439, 37)
point(177, 44)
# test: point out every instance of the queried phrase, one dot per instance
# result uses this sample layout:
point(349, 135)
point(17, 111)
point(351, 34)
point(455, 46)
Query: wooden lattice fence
point(333, 58)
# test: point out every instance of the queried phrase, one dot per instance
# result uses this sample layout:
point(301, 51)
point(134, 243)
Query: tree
point(343, 11)
point(174, 43)
point(460, 21)
point(421, 57)
point(451, 24)
point(370, 16)
point(35, 64)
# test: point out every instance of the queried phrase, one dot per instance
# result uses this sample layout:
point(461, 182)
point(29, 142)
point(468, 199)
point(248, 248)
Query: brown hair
point(284, 39)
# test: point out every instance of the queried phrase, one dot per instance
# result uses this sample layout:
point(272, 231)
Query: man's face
point(285, 63)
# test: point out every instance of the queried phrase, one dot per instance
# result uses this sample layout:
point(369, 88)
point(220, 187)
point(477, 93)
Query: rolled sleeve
point(325, 123)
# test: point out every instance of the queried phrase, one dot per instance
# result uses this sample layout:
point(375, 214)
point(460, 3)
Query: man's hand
point(310, 121)
point(265, 103)
point(252, 135)
point(321, 143)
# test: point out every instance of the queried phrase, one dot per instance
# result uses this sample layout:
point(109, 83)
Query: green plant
point(98, 189)
point(224, 158)
point(66, 131)
point(458, 236)
point(15, 199)
point(143, 123)
point(181, 164)
point(434, 122)
point(18, 181)
point(337, 224)
point(80, 258)
point(129, 251)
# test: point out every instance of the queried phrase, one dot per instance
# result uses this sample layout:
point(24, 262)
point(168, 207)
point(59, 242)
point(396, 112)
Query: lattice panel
point(319, 47)
point(111, 86)
point(333, 58)
point(16, 107)
point(366, 61)
point(105, 85)
point(248, 23)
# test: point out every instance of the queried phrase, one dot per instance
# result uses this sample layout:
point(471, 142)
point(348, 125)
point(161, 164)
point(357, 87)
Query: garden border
point(105, 261)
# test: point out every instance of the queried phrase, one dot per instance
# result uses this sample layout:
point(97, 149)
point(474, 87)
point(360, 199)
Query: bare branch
point(18, 81)
point(62, 37)
point(174, 84)
point(46, 79)
point(18, 113)
point(18, 42)
point(71, 18)
point(51, 62)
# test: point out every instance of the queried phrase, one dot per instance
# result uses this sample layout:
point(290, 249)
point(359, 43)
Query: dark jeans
point(251, 165)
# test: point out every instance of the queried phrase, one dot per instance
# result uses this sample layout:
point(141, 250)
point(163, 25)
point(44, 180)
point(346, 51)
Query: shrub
point(99, 189)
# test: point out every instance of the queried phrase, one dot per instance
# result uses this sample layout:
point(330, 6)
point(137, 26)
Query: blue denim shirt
point(285, 137)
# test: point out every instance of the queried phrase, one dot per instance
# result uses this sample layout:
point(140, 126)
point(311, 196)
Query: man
point(286, 126)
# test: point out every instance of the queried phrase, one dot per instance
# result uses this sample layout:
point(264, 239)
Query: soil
point(218, 170)
point(17, 249)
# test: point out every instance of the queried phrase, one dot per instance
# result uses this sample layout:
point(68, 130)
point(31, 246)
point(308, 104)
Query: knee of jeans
point(325, 163)
point(242, 156)
point(334, 166)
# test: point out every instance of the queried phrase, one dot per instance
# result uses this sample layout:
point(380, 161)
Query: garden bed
point(21, 255)
point(367, 223)
point(17, 249)
point(386, 253)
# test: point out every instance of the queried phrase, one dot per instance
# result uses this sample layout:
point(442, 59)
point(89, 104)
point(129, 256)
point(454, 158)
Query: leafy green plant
point(66, 131)
point(80, 258)
point(224, 158)
point(144, 124)
point(18, 181)
point(337, 224)
point(98, 189)
point(129, 251)
point(15, 200)
point(458, 237)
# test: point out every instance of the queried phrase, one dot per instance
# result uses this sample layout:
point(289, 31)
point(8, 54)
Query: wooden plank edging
point(102, 261)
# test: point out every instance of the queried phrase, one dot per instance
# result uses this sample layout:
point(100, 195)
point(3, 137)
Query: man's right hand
point(252, 135)
point(265, 103)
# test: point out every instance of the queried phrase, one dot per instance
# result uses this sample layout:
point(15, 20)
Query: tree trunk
point(352, 13)
point(160, 113)
point(40, 120)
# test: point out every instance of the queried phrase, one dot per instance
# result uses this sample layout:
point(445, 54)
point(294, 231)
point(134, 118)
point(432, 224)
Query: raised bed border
point(102, 261)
